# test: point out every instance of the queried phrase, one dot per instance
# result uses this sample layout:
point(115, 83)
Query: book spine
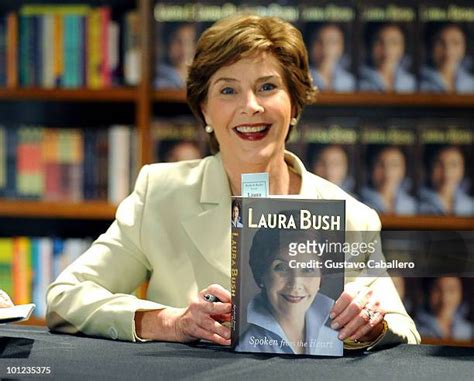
point(104, 41)
point(12, 142)
point(58, 50)
point(119, 169)
point(48, 51)
point(12, 50)
point(94, 52)
point(235, 283)
point(3, 51)
point(6, 265)
point(36, 60)
point(24, 56)
point(3, 160)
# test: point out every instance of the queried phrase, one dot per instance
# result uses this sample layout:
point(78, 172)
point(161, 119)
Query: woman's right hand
point(199, 320)
point(203, 319)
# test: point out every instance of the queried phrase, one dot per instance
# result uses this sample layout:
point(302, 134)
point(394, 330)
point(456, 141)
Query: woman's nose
point(251, 104)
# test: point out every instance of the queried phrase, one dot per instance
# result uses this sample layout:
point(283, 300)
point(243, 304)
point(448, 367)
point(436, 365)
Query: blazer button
point(113, 333)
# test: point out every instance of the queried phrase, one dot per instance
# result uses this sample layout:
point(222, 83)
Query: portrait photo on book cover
point(285, 292)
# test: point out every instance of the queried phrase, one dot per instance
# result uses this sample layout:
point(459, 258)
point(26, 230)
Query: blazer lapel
point(210, 229)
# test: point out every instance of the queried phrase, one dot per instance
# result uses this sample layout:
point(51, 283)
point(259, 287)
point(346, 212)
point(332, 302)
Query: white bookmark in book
point(255, 184)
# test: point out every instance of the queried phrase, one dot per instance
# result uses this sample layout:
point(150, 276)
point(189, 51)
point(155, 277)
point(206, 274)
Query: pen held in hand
point(211, 298)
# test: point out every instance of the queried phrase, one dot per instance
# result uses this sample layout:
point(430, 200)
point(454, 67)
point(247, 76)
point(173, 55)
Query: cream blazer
point(174, 229)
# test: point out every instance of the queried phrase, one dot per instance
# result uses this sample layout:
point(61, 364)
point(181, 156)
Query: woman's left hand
point(358, 314)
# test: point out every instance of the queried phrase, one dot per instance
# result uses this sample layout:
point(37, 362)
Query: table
point(78, 357)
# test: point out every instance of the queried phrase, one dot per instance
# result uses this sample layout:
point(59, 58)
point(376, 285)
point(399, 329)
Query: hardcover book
point(387, 53)
point(286, 275)
point(447, 174)
point(388, 176)
point(447, 49)
point(327, 27)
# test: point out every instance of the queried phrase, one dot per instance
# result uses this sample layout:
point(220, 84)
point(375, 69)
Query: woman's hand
point(358, 314)
point(200, 320)
point(5, 300)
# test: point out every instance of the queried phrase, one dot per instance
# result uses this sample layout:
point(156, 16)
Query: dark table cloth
point(77, 357)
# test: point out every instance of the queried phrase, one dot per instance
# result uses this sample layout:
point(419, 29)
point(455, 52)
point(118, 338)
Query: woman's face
point(446, 295)
point(235, 212)
point(182, 45)
point(332, 165)
point(389, 169)
point(328, 46)
point(388, 47)
point(449, 47)
point(249, 107)
point(289, 291)
point(448, 169)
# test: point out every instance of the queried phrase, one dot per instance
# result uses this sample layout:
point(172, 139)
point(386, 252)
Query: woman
point(236, 220)
point(248, 84)
point(443, 319)
point(445, 193)
point(385, 71)
point(327, 52)
point(445, 71)
point(289, 311)
point(388, 175)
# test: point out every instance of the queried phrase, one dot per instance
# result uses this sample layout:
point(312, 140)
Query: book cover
point(176, 139)
point(447, 47)
point(447, 147)
point(283, 278)
point(328, 32)
point(387, 49)
point(176, 34)
point(331, 147)
point(388, 176)
point(12, 50)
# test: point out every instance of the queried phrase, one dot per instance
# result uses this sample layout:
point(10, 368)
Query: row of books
point(67, 46)
point(397, 166)
point(28, 265)
point(67, 164)
point(378, 46)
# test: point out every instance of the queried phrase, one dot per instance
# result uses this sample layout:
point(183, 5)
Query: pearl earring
point(293, 121)
point(209, 129)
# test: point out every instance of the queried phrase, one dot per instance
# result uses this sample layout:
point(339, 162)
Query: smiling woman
point(247, 85)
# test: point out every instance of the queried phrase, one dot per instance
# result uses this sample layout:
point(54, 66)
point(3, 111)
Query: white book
point(119, 167)
point(16, 313)
point(47, 47)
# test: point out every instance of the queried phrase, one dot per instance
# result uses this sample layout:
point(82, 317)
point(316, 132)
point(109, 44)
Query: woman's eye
point(308, 270)
point(280, 267)
point(227, 91)
point(268, 87)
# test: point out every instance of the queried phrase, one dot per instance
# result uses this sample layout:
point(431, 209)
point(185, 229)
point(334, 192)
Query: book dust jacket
point(286, 274)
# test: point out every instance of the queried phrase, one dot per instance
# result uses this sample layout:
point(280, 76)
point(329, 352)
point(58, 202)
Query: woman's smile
point(293, 298)
point(252, 131)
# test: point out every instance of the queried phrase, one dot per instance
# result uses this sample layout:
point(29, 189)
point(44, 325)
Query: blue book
point(3, 51)
point(89, 164)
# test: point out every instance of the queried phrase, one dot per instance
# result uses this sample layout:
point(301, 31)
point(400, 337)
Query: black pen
point(211, 298)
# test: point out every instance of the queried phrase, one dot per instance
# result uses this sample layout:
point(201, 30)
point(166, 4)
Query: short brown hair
point(241, 36)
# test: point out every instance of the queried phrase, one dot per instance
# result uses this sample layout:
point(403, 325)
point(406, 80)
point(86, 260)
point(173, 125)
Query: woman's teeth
point(250, 129)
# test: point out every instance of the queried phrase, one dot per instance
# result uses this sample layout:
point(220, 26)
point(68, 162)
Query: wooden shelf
point(90, 210)
point(357, 99)
point(426, 223)
point(119, 94)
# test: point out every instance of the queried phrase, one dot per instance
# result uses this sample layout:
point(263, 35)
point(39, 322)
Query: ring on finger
point(371, 315)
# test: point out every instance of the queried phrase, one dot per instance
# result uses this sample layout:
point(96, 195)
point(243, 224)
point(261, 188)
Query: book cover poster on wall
point(284, 280)
point(447, 30)
point(327, 28)
point(387, 54)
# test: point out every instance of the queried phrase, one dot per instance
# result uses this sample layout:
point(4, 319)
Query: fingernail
point(335, 325)
point(332, 315)
point(342, 335)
